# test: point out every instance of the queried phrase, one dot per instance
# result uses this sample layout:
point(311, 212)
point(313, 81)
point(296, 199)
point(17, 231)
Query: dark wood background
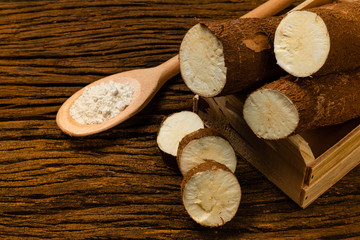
point(114, 184)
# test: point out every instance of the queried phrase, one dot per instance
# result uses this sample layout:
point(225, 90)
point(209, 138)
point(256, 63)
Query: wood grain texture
point(114, 185)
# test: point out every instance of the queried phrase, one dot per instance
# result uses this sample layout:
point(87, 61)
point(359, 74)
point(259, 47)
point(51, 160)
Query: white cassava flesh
point(301, 43)
point(208, 147)
point(174, 128)
point(202, 62)
point(270, 114)
point(212, 197)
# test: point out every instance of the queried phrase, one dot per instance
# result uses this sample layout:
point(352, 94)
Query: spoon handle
point(310, 4)
point(268, 9)
point(168, 69)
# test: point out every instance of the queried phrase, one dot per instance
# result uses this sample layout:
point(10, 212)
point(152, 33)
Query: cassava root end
point(302, 43)
point(270, 114)
point(203, 144)
point(222, 57)
point(202, 62)
point(289, 105)
point(320, 40)
point(211, 194)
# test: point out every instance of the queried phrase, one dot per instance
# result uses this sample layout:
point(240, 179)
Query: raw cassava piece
point(203, 144)
point(320, 40)
point(172, 130)
point(289, 105)
point(211, 194)
point(221, 57)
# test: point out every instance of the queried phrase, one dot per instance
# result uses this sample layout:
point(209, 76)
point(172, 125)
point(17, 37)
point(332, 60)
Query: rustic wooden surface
point(114, 184)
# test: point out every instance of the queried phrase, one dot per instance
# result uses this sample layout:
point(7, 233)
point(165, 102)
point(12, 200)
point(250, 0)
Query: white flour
point(101, 102)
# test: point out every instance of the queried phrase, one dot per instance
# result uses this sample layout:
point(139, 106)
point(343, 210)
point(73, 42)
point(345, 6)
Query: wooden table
point(114, 184)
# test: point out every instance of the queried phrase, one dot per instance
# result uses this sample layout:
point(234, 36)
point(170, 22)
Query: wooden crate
point(303, 166)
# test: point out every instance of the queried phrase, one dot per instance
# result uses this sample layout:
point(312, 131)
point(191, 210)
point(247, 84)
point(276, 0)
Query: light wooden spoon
point(146, 83)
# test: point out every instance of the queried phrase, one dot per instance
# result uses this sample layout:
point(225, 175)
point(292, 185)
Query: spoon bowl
point(145, 82)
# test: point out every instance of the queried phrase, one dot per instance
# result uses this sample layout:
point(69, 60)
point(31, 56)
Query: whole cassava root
point(319, 41)
point(288, 105)
point(221, 57)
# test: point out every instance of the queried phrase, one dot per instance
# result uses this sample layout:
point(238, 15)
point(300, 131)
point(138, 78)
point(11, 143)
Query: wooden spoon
point(146, 83)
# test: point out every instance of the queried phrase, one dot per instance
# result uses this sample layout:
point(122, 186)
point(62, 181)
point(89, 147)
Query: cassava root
point(319, 41)
point(288, 105)
point(220, 57)
point(227, 56)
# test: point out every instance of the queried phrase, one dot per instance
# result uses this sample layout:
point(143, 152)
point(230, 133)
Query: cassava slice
point(319, 41)
point(172, 130)
point(203, 144)
point(211, 194)
point(221, 57)
point(290, 105)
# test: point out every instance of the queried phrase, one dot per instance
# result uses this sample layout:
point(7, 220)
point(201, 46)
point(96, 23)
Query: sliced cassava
point(320, 40)
point(290, 105)
point(211, 194)
point(203, 144)
point(172, 130)
point(221, 57)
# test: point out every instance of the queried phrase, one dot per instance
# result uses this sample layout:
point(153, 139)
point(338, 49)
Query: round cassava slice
point(203, 144)
point(172, 130)
point(211, 194)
